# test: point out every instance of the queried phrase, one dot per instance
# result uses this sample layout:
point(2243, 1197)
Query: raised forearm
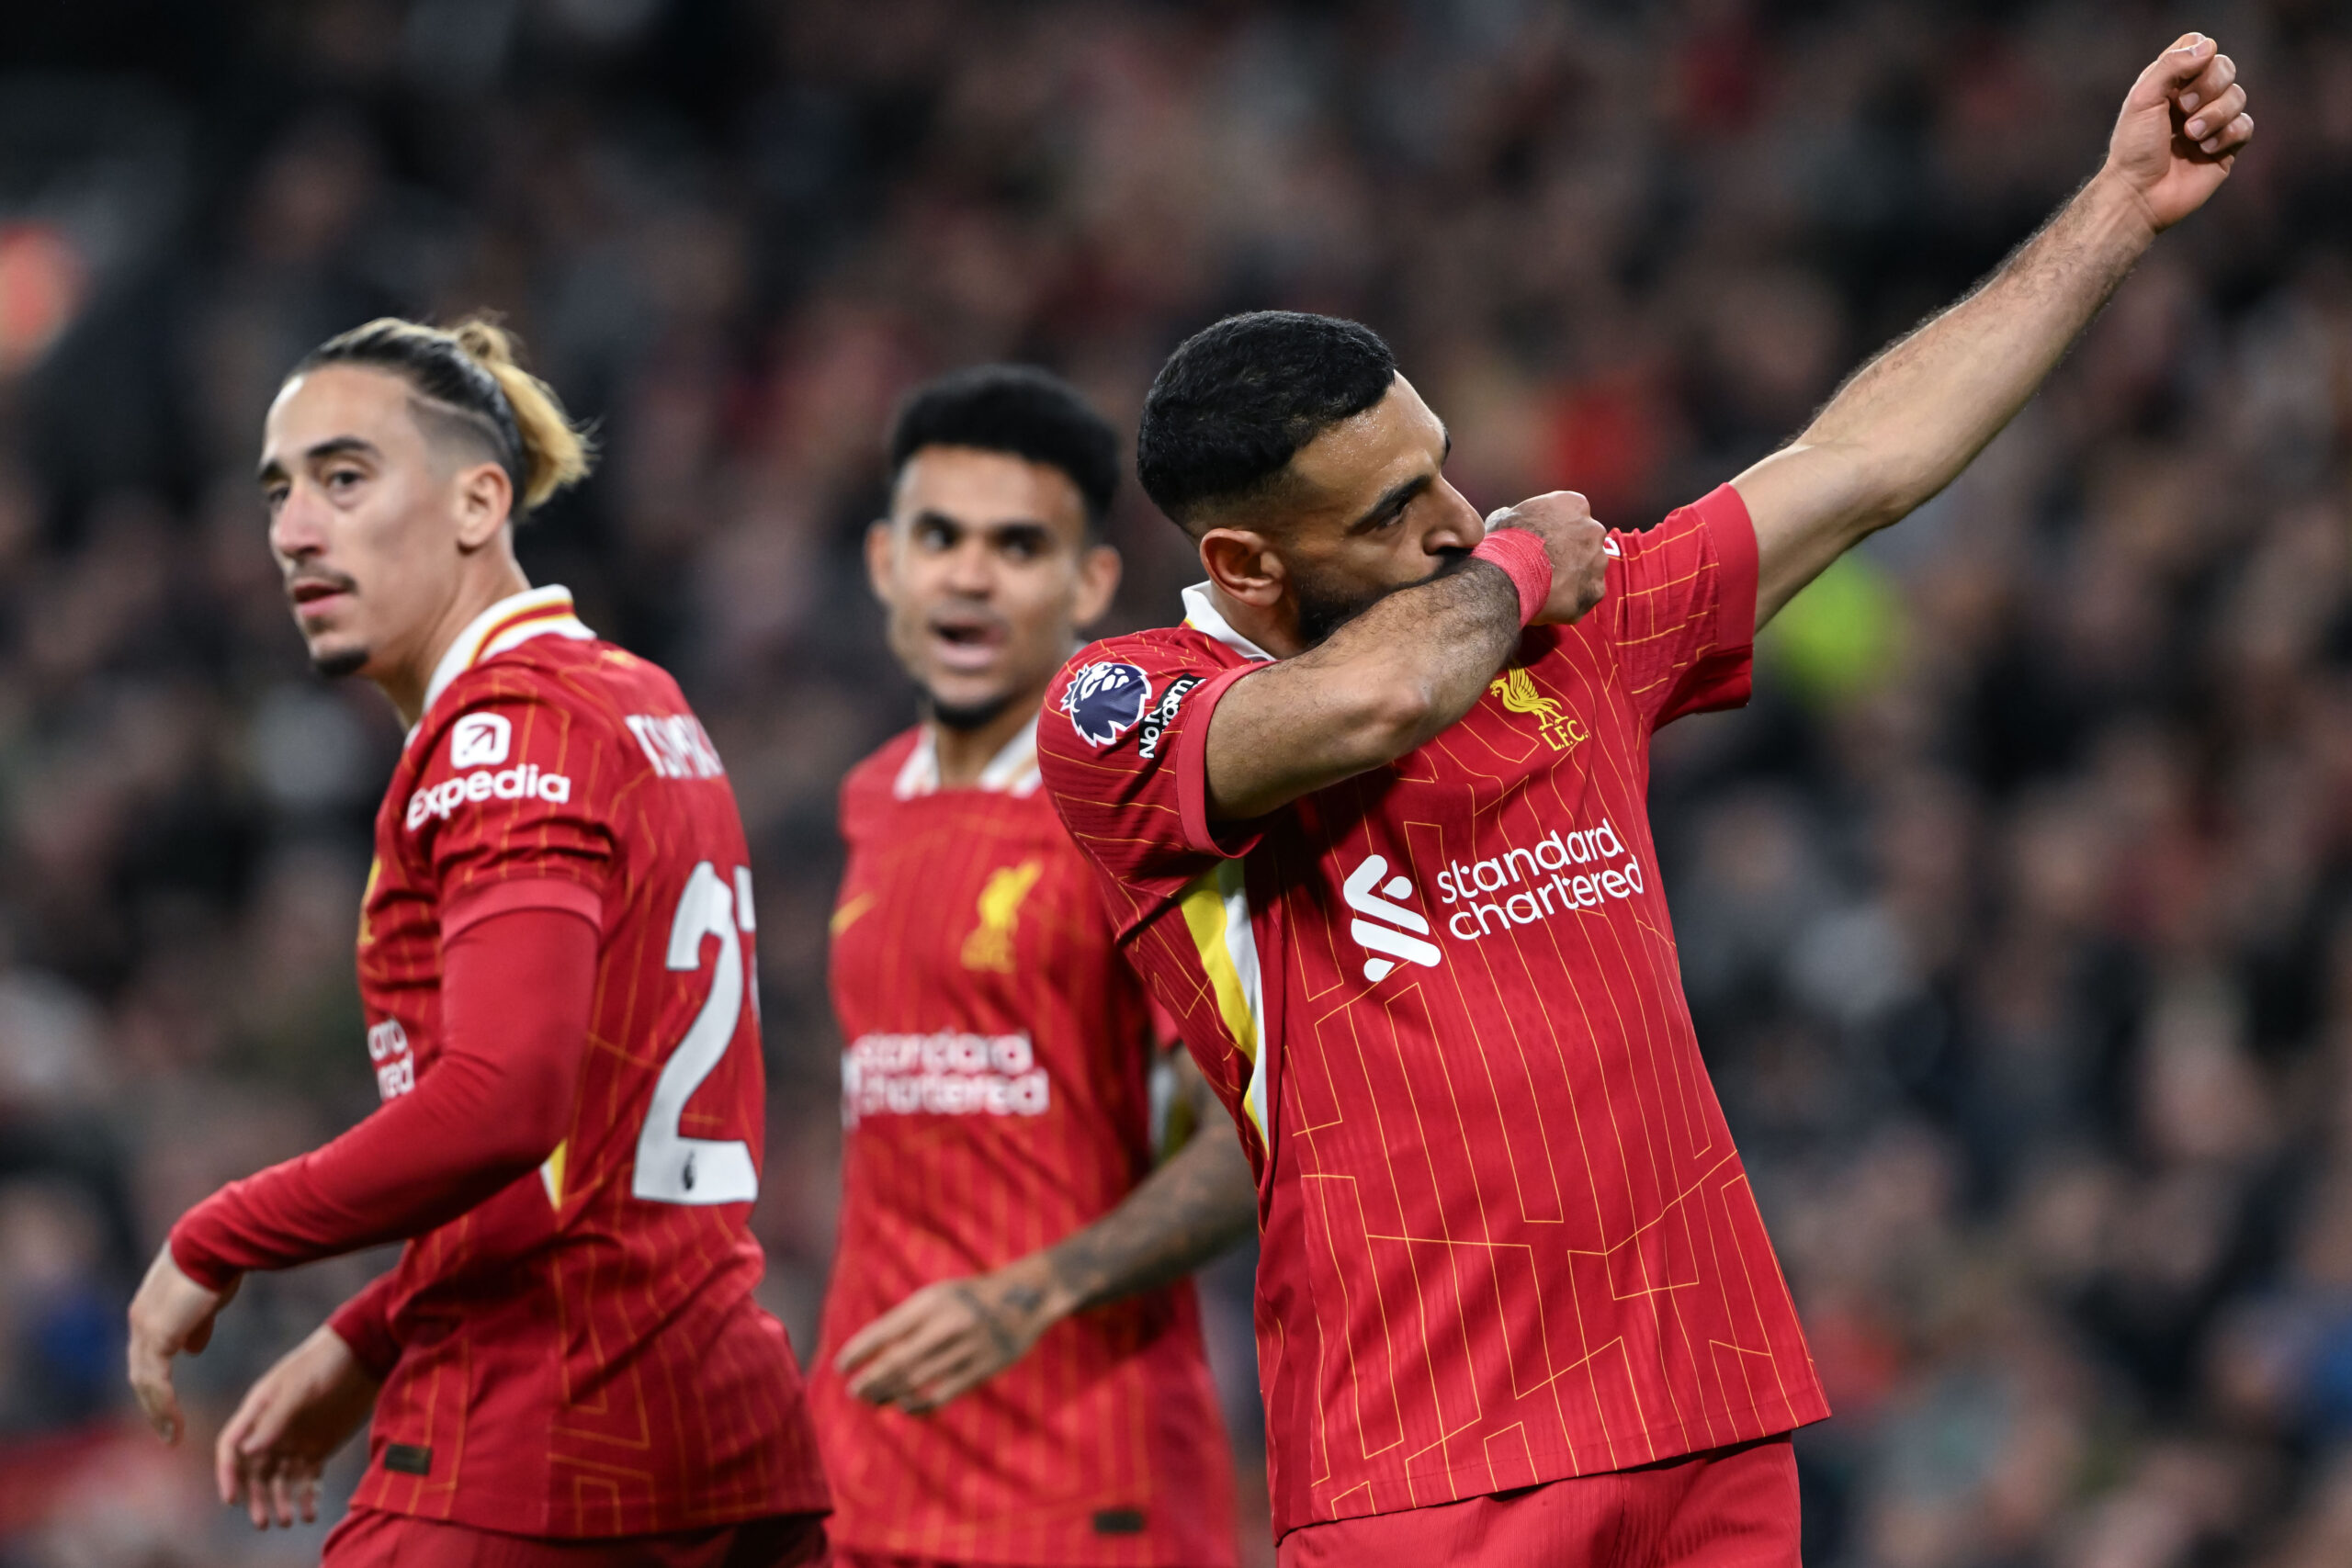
point(1918, 412)
point(1386, 681)
point(1914, 417)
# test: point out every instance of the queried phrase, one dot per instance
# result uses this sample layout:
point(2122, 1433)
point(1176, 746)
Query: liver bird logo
point(1517, 689)
point(990, 946)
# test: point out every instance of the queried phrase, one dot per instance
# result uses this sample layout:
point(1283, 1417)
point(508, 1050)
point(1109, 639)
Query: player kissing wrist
point(1521, 557)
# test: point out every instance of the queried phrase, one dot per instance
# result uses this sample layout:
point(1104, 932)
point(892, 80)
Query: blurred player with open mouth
point(1011, 1368)
point(566, 1366)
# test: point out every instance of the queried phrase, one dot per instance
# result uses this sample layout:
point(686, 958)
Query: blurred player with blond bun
point(566, 1366)
point(1011, 1368)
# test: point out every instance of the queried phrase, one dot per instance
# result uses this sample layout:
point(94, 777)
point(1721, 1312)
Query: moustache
point(334, 581)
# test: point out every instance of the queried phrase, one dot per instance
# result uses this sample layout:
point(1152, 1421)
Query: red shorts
point(369, 1538)
point(1732, 1508)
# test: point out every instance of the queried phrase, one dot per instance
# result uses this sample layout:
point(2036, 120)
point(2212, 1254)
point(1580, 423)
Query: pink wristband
point(1525, 561)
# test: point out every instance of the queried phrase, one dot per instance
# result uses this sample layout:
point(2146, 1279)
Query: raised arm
point(1907, 424)
point(954, 1335)
point(1395, 676)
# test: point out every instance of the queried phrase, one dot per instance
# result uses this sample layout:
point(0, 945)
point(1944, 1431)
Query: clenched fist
point(1577, 545)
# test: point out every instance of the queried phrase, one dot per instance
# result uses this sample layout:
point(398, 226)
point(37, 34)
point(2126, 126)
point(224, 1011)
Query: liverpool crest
point(1517, 689)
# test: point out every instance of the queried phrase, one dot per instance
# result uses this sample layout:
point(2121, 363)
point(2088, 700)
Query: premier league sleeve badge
point(1106, 700)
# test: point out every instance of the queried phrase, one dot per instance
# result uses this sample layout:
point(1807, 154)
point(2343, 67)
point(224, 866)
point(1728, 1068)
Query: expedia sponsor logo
point(1563, 871)
point(479, 740)
point(946, 1074)
point(526, 783)
point(1163, 714)
point(1104, 701)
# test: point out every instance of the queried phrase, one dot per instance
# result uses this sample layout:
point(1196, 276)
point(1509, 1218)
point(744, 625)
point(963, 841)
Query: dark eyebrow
point(1017, 527)
point(334, 446)
point(1400, 496)
point(1394, 500)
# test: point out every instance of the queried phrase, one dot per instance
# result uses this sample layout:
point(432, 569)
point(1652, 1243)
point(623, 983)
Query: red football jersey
point(1506, 1238)
point(995, 1097)
point(580, 1355)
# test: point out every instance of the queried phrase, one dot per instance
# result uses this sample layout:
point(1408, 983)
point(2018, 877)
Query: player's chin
point(969, 705)
point(335, 657)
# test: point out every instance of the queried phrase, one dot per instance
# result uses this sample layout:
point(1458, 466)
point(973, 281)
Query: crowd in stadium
point(2013, 912)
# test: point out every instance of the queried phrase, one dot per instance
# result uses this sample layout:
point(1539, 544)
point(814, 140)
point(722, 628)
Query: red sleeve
point(1192, 764)
point(515, 991)
point(1682, 608)
point(365, 1323)
point(1121, 751)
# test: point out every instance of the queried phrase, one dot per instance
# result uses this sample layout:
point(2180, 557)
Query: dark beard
point(335, 666)
point(1324, 607)
point(966, 718)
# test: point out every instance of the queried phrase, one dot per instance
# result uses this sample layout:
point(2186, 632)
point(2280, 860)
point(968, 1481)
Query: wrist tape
point(1525, 561)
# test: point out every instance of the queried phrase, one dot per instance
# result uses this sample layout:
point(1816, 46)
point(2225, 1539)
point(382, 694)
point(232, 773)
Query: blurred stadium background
point(2017, 911)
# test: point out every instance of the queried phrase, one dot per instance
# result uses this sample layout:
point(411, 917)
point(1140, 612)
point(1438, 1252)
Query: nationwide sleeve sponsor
point(946, 1074)
point(395, 1064)
point(1163, 714)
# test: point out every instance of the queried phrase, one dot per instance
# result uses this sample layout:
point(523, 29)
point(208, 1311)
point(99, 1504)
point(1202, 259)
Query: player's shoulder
point(1717, 521)
point(1109, 687)
point(585, 689)
point(874, 778)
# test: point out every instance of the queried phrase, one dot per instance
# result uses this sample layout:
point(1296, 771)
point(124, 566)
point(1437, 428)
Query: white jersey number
point(671, 1167)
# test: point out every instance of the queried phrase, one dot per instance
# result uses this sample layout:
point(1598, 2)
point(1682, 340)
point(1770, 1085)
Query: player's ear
point(878, 541)
point(1242, 561)
point(1098, 581)
point(485, 500)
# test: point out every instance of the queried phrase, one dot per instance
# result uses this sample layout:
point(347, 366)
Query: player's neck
point(964, 754)
point(411, 677)
point(1267, 628)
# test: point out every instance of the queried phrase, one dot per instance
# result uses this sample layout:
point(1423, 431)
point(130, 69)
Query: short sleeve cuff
point(1724, 515)
point(475, 905)
point(1192, 763)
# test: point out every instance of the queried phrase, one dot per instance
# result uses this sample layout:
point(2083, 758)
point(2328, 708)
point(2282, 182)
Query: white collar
point(1013, 770)
point(518, 618)
point(1200, 614)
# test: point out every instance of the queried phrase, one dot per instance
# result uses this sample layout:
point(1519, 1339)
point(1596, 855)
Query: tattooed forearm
point(1201, 1202)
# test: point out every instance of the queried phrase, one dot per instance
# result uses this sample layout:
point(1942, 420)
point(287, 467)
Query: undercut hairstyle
point(466, 383)
point(1236, 401)
point(1018, 410)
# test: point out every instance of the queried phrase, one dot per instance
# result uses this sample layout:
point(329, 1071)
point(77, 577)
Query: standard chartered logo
point(947, 1074)
point(1388, 938)
point(1521, 886)
point(1560, 873)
